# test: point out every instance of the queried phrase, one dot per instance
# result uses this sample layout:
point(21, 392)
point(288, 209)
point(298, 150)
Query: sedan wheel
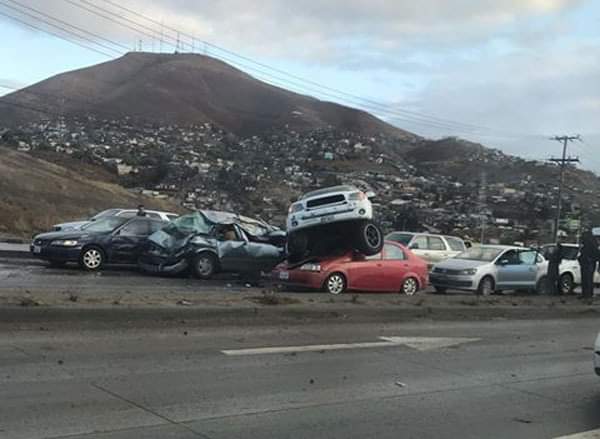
point(410, 287)
point(204, 266)
point(92, 258)
point(335, 284)
point(486, 286)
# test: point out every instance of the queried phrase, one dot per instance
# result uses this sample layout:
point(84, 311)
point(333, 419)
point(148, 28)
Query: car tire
point(567, 284)
point(335, 284)
point(440, 290)
point(486, 286)
point(92, 258)
point(410, 286)
point(369, 238)
point(297, 245)
point(204, 265)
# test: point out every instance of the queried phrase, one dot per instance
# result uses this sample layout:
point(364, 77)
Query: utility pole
point(483, 204)
point(562, 162)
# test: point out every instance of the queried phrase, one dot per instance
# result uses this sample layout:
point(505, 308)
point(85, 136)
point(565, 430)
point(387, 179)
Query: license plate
point(37, 248)
point(284, 275)
point(327, 219)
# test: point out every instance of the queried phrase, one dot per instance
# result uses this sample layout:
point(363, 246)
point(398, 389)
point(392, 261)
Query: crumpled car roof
point(253, 226)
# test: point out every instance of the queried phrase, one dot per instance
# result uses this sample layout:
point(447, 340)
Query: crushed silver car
point(207, 242)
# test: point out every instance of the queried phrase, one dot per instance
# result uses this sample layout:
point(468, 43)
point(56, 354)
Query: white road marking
point(591, 434)
point(419, 343)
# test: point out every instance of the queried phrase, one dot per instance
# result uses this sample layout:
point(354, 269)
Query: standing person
point(554, 259)
point(141, 210)
point(588, 258)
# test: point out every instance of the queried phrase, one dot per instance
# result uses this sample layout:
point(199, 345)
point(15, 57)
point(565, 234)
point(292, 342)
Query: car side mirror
point(503, 262)
point(370, 194)
point(414, 246)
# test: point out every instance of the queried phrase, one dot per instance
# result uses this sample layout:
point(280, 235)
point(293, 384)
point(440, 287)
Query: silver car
point(491, 268)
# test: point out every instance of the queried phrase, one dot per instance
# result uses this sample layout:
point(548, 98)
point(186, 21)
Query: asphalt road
point(513, 379)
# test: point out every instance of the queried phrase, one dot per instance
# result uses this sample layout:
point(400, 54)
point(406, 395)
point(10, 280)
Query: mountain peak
point(183, 88)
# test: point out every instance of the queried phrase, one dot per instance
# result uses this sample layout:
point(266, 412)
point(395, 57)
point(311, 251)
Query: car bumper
point(162, 265)
point(446, 281)
point(56, 253)
point(299, 278)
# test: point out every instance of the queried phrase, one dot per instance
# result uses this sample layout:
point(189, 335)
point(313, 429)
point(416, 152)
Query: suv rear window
point(402, 238)
point(455, 244)
point(436, 243)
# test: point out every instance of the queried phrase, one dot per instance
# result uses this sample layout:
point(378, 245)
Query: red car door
point(396, 265)
point(365, 274)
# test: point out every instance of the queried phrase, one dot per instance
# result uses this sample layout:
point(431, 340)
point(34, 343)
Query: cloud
point(312, 29)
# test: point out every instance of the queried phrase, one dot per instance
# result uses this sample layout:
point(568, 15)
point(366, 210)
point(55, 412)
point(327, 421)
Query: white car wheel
point(92, 258)
point(410, 286)
point(335, 284)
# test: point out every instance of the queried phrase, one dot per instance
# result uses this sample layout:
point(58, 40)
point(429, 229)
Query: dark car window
point(155, 226)
point(455, 244)
point(436, 243)
point(136, 228)
point(528, 257)
point(391, 252)
point(511, 257)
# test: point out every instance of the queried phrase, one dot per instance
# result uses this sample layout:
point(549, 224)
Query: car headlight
point(311, 267)
point(469, 271)
point(357, 196)
point(296, 207)
point(65, 242)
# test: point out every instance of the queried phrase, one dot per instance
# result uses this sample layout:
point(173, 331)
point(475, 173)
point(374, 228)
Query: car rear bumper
point(57, 253)
point(354, 211)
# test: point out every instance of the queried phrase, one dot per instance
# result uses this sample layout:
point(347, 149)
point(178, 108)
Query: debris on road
point(184, 302)
point(400, 384)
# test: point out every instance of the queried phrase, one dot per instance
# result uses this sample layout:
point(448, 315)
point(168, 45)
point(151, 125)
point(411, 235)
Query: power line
point(66, 24)
point(61, 28)
point(62, 37)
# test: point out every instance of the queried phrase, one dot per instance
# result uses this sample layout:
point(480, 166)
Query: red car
point(395, 268)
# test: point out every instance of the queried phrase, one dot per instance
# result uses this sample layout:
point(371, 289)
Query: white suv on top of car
point(331, 218)
point(76, 225)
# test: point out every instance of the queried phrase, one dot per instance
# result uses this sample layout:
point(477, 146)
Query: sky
point(506, 73)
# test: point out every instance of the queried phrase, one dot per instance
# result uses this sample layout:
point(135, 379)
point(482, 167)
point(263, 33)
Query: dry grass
point(35, 194)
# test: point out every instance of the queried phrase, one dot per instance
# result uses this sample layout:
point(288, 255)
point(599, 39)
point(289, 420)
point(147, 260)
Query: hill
point(36, 194)
point(182, 89)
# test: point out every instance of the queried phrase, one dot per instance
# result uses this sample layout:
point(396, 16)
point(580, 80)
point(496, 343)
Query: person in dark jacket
point(141, 210)
point(555, 257)
point(588, 259)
